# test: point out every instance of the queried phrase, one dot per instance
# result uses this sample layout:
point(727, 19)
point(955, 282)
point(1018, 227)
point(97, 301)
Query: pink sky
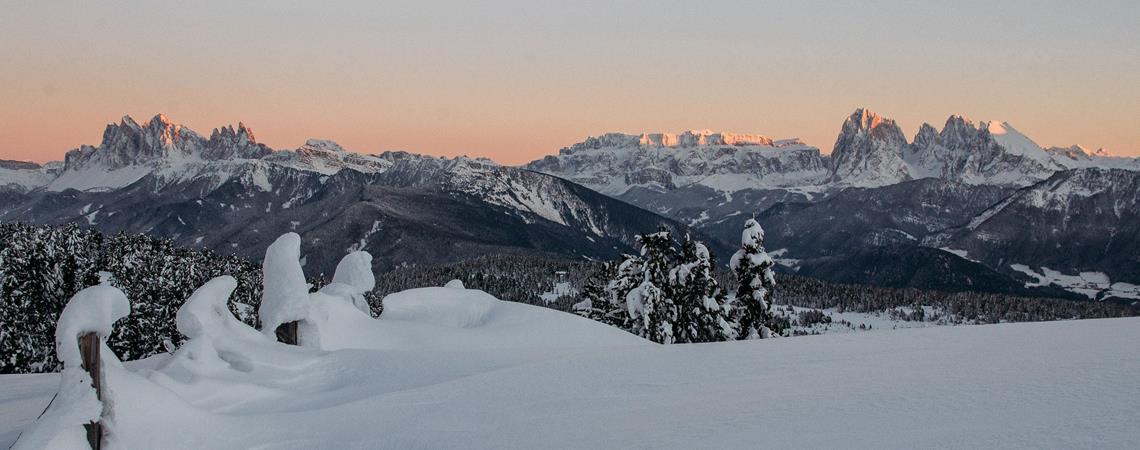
point(516, 80)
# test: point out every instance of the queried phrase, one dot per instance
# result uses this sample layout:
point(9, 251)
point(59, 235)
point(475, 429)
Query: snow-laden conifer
point(751, 307)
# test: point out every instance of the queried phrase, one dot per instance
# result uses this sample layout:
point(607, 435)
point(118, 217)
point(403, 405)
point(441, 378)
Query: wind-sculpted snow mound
point(457, 319)
point(446, 307)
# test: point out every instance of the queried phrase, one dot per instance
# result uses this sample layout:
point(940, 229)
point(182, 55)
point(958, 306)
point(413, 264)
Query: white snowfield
point(456, 368)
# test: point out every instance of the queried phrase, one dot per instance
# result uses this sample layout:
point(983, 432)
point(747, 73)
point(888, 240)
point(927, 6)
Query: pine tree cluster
point(42, 267)
point(669, 294)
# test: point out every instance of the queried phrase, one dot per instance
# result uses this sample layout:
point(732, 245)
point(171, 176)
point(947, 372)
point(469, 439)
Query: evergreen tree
point(40, 269)
point(751, 308)
point(597, 302)
point(650, 304)
point(700, 300)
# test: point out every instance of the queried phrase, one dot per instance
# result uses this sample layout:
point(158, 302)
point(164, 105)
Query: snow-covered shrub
point(354, 281)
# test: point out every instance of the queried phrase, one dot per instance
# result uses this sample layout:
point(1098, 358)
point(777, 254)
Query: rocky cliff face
point(615, 163)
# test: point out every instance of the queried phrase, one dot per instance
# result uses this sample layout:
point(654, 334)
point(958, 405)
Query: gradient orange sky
point(516, 80)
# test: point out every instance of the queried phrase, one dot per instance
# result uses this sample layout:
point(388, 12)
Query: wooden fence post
point(287, 333)
point(89, 346)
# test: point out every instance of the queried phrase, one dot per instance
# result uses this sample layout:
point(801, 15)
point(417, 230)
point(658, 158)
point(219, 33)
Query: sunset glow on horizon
point(514, 81)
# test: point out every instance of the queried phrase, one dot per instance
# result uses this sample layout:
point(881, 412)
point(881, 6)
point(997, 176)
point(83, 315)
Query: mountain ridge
point(230, 193)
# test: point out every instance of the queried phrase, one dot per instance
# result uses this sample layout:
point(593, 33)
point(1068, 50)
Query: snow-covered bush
point(207, 313)
point(354, 281)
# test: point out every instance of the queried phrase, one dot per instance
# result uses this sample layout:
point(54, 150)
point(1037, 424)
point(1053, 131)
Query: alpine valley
point(977, 207)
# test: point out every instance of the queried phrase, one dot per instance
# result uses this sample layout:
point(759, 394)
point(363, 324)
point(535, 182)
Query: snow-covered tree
point(751, 308)
point(700, 299)
point(650, 304)
point(41, 267)
point(597, 302)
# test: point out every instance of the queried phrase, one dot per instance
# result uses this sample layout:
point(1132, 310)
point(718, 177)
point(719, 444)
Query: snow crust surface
point(1057, 384)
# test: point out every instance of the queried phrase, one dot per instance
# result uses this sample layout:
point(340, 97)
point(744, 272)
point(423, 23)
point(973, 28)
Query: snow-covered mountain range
point(870, 151)
point(877, 189)
point(230, 193)
point(969, 189)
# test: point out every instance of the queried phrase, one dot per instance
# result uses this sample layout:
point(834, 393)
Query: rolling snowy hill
point(454, 368)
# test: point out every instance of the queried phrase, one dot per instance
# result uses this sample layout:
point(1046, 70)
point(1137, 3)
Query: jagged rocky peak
point(927, 135)
point(958, 132)
point(229, 133)
point(129, 143)
point(865, 121)
point(869, 151)
point(228, 143)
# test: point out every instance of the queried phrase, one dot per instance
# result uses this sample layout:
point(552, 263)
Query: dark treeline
point(522, 278)
point(959, 307)
point(516, 278)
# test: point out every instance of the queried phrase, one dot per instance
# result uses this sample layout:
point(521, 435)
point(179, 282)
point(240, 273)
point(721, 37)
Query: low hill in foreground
point(476, 385)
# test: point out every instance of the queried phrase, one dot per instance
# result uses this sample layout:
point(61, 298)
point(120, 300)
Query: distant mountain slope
point(1077, 220)
point(856, 218)
point(911, 266)
point(232, 194)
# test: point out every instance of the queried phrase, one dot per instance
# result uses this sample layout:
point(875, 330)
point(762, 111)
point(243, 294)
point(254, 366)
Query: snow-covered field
point(849, 321)
point(455, 368)
point(1091, 284)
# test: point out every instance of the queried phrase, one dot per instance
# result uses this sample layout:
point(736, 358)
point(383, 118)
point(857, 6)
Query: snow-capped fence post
point(285, 299)
point(83, 324)
point(89, 345)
